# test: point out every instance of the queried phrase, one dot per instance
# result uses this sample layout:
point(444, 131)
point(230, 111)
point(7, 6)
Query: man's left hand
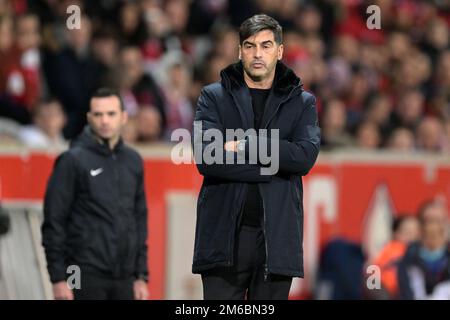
point(140, 288)
point(231, 146)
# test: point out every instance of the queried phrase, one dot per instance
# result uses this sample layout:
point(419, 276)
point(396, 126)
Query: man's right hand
point(61, 291)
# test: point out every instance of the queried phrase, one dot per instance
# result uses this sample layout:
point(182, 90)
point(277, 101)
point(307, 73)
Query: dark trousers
point(94, 287)
point(246, 277)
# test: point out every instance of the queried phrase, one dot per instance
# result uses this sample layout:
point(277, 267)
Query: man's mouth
point(258, 65)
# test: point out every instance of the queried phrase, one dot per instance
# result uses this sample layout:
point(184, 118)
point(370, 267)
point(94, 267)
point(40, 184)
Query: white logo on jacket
point(96, 172)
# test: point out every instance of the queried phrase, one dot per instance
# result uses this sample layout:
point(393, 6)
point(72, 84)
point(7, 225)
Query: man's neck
point(111, 142)
point(262, 84)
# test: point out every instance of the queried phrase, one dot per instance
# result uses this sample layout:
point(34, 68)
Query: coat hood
point(285, 78)
point(87, 139)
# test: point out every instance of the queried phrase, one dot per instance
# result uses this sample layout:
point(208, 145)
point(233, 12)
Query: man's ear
point(240, 52)
point(280, 52)
point(124, 117)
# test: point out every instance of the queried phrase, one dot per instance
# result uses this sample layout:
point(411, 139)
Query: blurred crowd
point(387, 88)
point(413, 265)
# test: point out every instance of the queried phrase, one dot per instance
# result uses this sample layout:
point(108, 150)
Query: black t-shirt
point(253, 208)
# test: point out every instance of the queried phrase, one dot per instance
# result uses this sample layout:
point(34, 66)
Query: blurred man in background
point(95, 212)
point(424, 272)
point(406, 230)
point(48, 122)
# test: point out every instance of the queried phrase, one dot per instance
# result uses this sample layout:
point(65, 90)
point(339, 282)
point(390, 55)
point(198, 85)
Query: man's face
point(259, 54)
point(106, 117)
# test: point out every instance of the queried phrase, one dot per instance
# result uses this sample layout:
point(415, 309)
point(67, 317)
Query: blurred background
point(383, 98)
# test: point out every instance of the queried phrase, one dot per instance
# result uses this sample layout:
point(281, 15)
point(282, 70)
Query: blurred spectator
point(423, 273)
point(405, 230)
point(402, 70)
point(409, 111)
point(226, 42)
point(73, 74)
point(379, 109)
point(20, 71)
point(368, 136)
point(148, 124)
point(401, 139)
point(137, 87)
point(430, 135)
point(9, 131)
point(340, 271)
point(175, 79)
point(46, 131)
point(333, 124)
point(133, 30)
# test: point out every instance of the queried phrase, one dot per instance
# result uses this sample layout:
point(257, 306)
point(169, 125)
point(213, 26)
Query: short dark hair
point(258, 23)
point(104, 92)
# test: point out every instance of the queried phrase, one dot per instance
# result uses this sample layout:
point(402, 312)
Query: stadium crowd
point(386, 88)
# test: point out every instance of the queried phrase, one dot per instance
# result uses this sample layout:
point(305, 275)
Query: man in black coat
point(95, 212)
point(249, 229)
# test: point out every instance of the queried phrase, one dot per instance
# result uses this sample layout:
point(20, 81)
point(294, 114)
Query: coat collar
point(284, 84)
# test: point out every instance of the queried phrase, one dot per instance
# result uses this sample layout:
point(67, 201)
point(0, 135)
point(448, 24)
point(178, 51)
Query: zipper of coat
point(266, 264)
point(116, 177)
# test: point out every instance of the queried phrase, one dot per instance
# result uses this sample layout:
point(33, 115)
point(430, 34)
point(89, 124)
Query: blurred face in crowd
point(27, 34)
point(429, 134)
point(408, 231)
point(437, 34)
point(401, 139)
point(335, 118)
point(6, 33)
point(259, 54)
point(227, 45)
point(132, 66)
point(148, 124)
point(443, 68)
point(399, 45)
point(50, 118)
point(411, 107)
point(177, 13)
point(309, 20)
point(435, 226)
point(106, 117)
point(347, 48)
point(368, 136)
point(105, 49)
point(79, 38)
point(129, 17)
point(380, 110)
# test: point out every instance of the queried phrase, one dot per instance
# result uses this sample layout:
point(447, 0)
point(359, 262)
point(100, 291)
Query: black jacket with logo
point(227, 105)
point(95, 212)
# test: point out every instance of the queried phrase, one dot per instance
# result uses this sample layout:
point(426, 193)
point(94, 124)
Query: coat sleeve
point(58, 200)
point(207, 115)
point(404, 288)
point(141, 269)
point(298, 154)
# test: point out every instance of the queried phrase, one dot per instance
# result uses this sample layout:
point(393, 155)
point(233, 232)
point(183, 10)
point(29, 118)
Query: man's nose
point(104, 119)
point(258, 52)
